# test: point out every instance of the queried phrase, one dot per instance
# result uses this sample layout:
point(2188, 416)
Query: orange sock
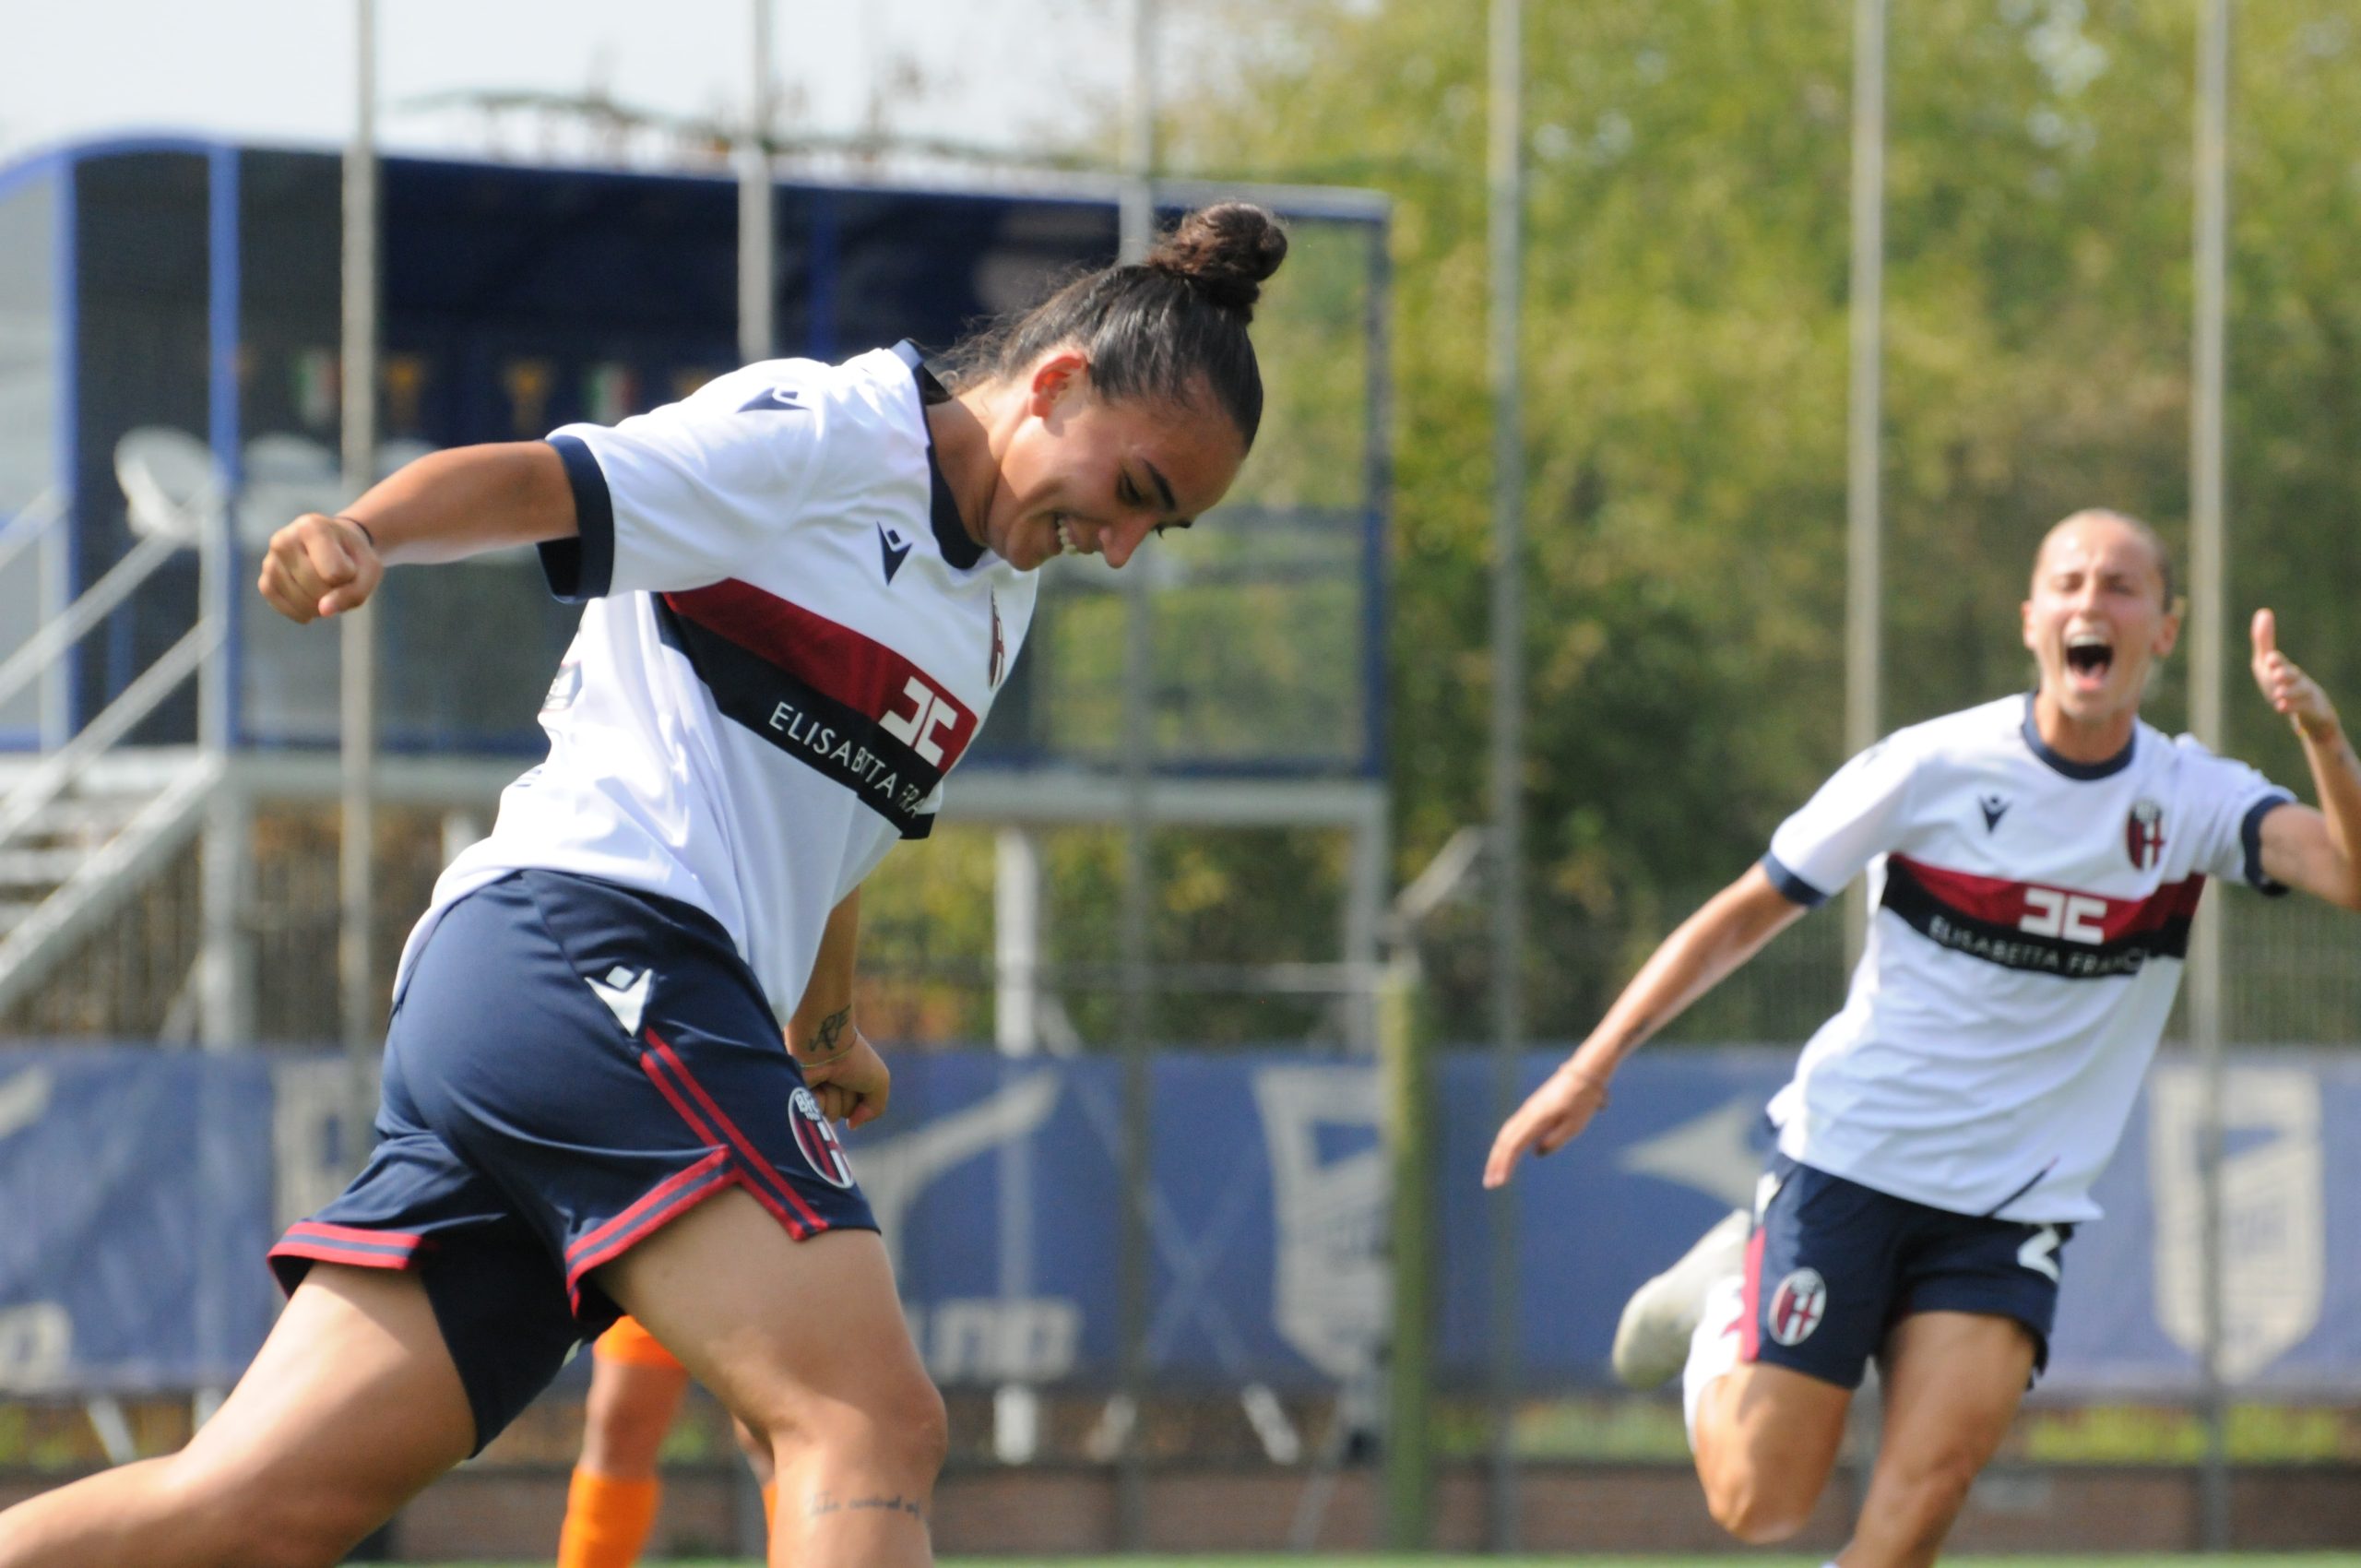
point(607, 1520)
point(770, 1508)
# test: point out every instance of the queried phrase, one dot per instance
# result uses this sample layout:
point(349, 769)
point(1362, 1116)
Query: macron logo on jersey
point(1994, 808)
point(624, 993)
point(894, 547)
point(774, 399)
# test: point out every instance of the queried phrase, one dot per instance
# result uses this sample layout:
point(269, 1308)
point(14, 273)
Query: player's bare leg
point(804, 1340)
point(1766, 1443)
point(351, 1407)
point(758, 1459)
point(612, 1500)
point(1953, 1383)
point(1765, 1437)
point(630, 1410)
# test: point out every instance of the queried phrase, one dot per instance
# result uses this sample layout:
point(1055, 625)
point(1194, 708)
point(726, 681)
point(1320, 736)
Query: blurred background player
point(2037, 861)
point(612, 1500)
point(806, 583)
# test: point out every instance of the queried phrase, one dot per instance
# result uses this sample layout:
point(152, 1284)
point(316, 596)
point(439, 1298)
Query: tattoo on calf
point(825, 1502)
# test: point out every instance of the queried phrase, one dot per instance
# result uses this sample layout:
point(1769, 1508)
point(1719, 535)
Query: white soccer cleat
point(1651, 1338)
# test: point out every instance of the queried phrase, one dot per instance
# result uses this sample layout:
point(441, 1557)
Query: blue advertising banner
point(135, 1192)
point(139, 1189)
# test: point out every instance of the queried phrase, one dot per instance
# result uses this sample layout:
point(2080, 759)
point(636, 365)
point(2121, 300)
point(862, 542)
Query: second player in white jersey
point(2032, 915)
point(2035, 863)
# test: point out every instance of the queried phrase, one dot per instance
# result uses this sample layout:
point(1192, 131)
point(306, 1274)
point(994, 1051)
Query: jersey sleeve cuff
point(2251, 836)
point(1793, 888)
point(583, 567)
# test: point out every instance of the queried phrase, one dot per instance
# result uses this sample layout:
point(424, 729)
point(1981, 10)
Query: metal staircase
point(86, 822)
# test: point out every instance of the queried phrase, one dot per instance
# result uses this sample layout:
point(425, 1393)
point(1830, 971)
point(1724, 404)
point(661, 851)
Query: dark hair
point(1153, 329)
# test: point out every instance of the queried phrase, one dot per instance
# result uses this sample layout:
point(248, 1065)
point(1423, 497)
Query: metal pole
point(225, 968)
point(1505, 164)
point(1403, 1037)
point(1863, 570)
point(1137, 921)
point(355, 930)
point(2207, 641)
point(1017, 942)
point(757, 240)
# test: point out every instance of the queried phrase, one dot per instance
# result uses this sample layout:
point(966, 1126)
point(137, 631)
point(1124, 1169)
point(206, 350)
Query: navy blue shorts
point(570, 1066)
point(1834, 1265)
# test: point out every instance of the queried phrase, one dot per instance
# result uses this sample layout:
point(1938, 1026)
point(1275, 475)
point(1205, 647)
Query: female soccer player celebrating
point(2036, 863)
point(804, 585)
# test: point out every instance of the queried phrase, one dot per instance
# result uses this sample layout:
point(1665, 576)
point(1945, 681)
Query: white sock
point(1713, 1348)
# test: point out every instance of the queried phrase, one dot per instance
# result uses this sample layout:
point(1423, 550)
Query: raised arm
point(2318, 852)
point(444, 506)
point(842, 1068)
point(1730, 930)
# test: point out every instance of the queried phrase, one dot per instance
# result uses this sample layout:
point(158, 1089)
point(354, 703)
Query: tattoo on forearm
point(828, 1040)
point(825, 1502)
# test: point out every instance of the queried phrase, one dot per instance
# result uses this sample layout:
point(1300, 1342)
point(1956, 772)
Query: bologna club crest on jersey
point(1797, 1307)
point(2143, 834)
point(817, 1138)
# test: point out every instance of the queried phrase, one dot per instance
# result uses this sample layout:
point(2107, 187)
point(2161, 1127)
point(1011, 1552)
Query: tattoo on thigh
point(825, 1502)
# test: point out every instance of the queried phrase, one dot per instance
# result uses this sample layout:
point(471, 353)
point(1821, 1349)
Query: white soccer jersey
point(788, 641)
point(2033, 914)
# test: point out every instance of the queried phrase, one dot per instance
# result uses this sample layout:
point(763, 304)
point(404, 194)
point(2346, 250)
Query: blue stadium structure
point(169, 395)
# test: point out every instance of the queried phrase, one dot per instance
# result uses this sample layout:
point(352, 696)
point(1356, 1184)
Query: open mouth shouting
point(2090, 656)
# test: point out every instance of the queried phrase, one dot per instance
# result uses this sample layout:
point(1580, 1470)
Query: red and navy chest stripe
point(837, 701)
point(2051, 930)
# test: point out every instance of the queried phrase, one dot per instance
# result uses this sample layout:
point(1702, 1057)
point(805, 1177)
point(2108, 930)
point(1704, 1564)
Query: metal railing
point(177, 501)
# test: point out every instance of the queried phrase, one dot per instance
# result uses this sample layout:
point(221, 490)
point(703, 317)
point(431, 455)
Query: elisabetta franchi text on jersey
point(2033, 913)
point(848, 707)
point(788, 641)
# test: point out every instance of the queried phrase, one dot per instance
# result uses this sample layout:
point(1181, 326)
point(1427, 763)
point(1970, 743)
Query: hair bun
point(1225, 250)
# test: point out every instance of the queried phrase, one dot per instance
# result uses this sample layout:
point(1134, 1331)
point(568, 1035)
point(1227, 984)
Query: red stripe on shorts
point(756, 1167)
point(337, 1251)
point(1750, 1333)
point(671, 1198)
point(654, 1197)
point(655, 1075)
point(408, 1240)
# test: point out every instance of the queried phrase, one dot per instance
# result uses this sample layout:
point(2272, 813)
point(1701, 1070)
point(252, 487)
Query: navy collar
point(2068, 765)
point(950, 533)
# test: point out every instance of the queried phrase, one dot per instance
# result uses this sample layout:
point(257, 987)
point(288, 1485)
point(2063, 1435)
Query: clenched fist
point(320, 565)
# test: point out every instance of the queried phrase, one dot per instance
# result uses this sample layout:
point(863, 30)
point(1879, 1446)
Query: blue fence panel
point(135, 1205)
point(139, 1189)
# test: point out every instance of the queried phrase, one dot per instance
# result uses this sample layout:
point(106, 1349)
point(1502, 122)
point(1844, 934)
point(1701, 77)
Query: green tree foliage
point(1685, 378)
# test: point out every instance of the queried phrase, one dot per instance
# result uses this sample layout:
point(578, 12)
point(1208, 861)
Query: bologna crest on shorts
point(1797, 1307)
point(816, 1137)
point(2143, 834)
